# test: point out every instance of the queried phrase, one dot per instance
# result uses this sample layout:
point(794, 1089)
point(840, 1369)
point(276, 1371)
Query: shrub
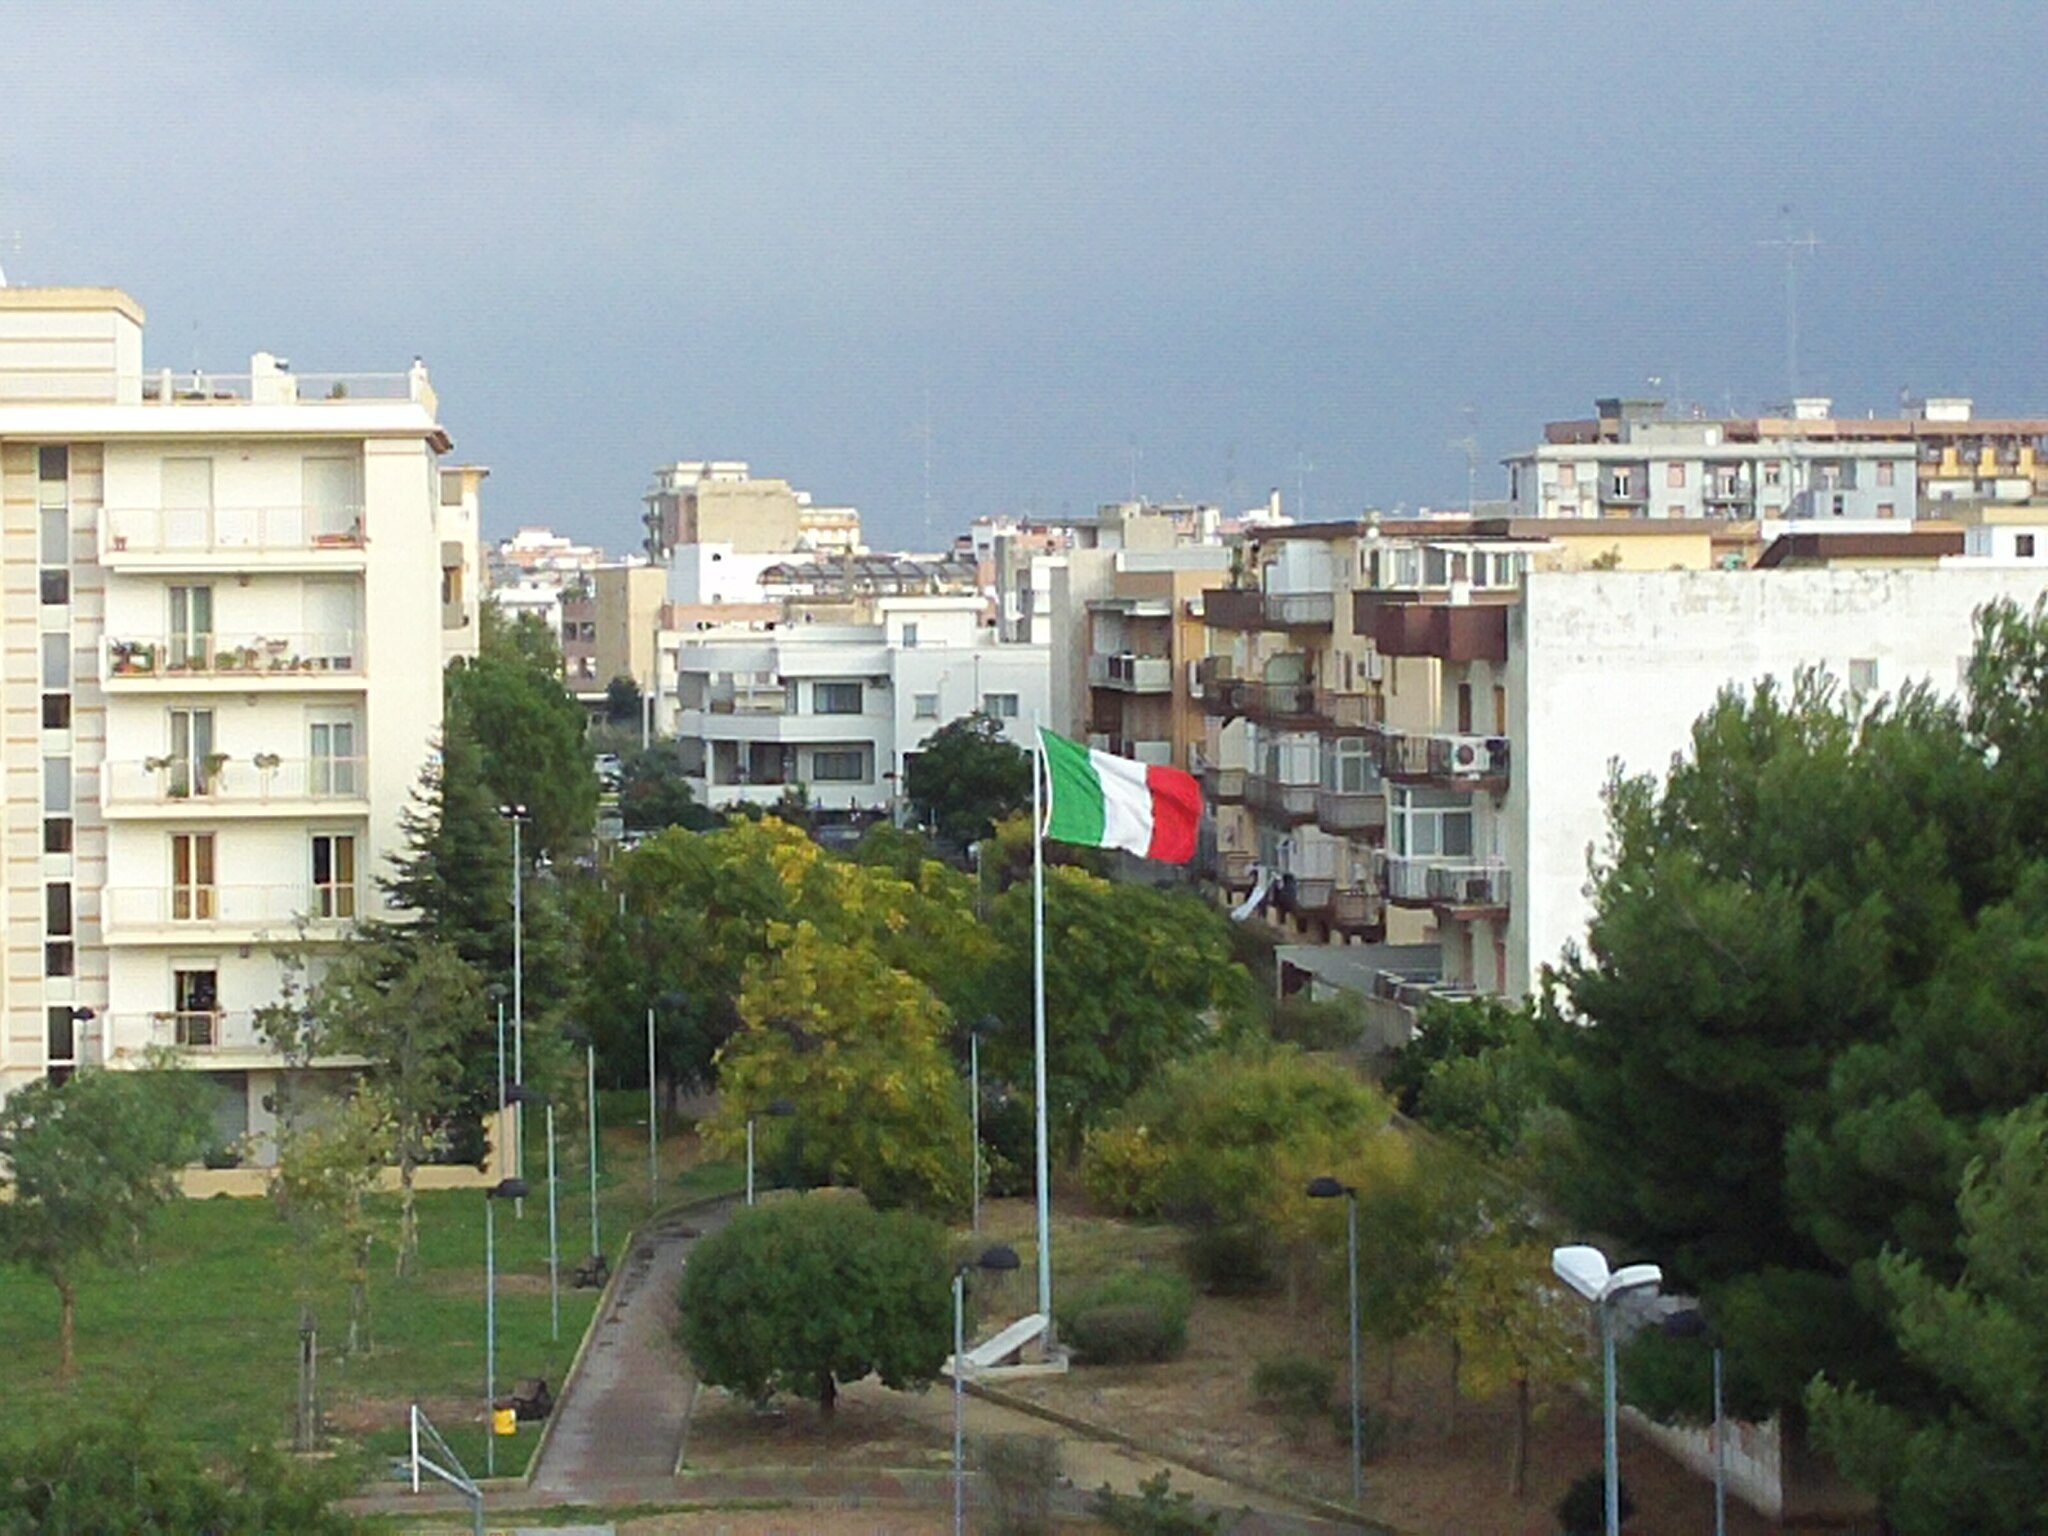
point(1583, 1509)
point(1132, 1318)
point(1296, 1388)
point(1018, 1472)
point(1315, 1026)
point(1231, 1260)
point(1155, 1510)
point(1123, 1168)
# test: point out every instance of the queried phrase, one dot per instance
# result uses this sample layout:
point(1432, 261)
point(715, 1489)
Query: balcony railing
point(130, 907)
point(1453, 758)
point(1300, 610)
point(1224, 698)
point(238, 657)
point(1291, 803)
point(228, 530)
point(1279, 701)
point(1481, 886)
point(1358, 909)
point(1215, 669)
point(1346, 811)
point(1306, 894)
point(1238, 870)
point(1350, 711)
point(264, 779)
point(1224, 786)
point(1234, 608)
point(1131, 672)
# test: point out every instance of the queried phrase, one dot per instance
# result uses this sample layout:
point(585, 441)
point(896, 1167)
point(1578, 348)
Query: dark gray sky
point(1210, 241)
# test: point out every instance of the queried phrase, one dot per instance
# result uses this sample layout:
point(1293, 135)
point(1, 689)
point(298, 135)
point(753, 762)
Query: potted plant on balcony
point(214, 762)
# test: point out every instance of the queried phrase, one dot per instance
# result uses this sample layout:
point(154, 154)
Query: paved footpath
point(619, 1426)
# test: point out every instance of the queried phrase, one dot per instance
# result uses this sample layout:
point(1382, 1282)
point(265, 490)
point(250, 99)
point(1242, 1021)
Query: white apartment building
point(838, 707)
point(219, 592)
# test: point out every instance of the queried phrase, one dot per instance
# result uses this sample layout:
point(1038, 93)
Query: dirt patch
point(868, 1433)
point(814, 1522)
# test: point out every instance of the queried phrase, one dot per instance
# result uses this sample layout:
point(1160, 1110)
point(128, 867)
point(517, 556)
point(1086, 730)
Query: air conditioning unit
point(1470, 755)
point(1373, 667)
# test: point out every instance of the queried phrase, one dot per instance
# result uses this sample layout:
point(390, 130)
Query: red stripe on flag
point(1176, 812)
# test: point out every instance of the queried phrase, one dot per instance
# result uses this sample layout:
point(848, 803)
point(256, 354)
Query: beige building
point(219, 593)
point(628, 603)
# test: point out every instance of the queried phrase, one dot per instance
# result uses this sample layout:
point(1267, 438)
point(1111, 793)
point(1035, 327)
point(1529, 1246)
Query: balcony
point(1238, 870)
point(1306, 895)
point(1248, 608)
point(220, 1037)
point(1292, 804)
point(1282, 704)
point(263, 784)
point(1223, 786)
point(1404, 624)
point(1358, 910)
point(177, 538)
point(1225, 698)
point(1300, 610)
point(1349, 711)
point(165, 913)
point(1457, 761)
point(1234, 608)
point(1472, 888)
point(1349, 813)
point(1131, 673)
point(236, 663)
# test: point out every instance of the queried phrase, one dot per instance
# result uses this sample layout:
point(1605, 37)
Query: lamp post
point(666, 1000)
point(578, 1037)
point(519, 1094)
point(516, 814)
point(778, 1107)
point(504, 1189)
point(1693, 1323)
point(1328, 1188)
point(998, 1258)
point(1585, 1270)
point(988, 1023)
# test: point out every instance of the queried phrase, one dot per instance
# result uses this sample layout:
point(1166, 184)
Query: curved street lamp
point(1328, 1188)
point(504, 1189)
point(1585, 1270)
point(998, 1258)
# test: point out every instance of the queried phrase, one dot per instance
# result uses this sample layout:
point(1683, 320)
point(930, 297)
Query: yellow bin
point(504, 1421)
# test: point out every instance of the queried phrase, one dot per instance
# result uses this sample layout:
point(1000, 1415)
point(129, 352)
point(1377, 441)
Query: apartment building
point(1634, 460)
point(215, 707)
point(834, 698)
point(1358, 746)
point(721, 501)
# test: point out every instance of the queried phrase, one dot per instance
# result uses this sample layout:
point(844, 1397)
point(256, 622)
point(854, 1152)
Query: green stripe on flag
point(1076, 791)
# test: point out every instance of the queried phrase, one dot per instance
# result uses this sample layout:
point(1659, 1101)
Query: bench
point(1002, 1346)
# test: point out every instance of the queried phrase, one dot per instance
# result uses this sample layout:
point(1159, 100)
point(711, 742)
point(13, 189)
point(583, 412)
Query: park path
point(620, 1424)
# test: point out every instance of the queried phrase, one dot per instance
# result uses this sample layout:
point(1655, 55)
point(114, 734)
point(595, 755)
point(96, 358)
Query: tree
point(328, 1164)
point(455, 874)
point(1982, 1464)
point(800, 1294)
point(529, 731)
point(622, 701)
point(654, 795)
point(408, 1007)
point(1511, 1328)
point(1134, 977)
point(84, 1165)
point(118, 1477)
point(1473, 1071)
point(859, 1049)
point(966, 777)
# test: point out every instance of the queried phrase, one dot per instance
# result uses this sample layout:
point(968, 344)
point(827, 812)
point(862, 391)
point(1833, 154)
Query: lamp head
point(519, 1093)
point(507, 1189)
point(781, 1107)
point(1327, 1188)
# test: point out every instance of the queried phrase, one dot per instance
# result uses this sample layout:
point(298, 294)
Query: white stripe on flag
point(1126, 803)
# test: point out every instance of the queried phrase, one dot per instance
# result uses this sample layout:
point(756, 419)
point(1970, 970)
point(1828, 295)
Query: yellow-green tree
point(859, 1049)
point(1510, 1327)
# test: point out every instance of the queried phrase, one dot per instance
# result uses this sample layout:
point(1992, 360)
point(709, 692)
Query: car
point(609, 769)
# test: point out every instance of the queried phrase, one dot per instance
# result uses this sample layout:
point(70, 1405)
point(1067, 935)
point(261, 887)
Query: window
point(847, 767)
point(1885, 470)
point(2023, 546)
point(1620, 481)
point(54, 541)
point(1500, 711)
point(53, 463)
point(1863, 675)
point(1568, 474)
point(56, 711)
point(1426, 823)
point(835, 698)
point(333, 491)
point(910, 637)
point(60, 1035)
point(1673, 509)
point(1349, 767)
point(999, 706)
point(331, 747)
point(56, 834)
point(57, 660)
point(195, 1018)
point(57, 909)
point(1674, 477)
point(1887, 509)
point(60, 958)
point(192, 888)
point(925, 706)
point(57, 785)
point(192, 770)
point(1837, 504)
point(1465, 709)
point(1774, 473)
point(334, 875)
point(56, 588)
point(191, 627)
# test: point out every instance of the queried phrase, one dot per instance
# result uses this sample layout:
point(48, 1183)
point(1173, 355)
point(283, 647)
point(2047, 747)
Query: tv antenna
point(1792, 245)
point(1304, 466)
point(923, 433)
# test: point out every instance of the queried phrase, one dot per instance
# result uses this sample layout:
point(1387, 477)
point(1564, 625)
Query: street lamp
point(987, 1024)
point(516, 814)
point(1585, 1270)
point(504, 1189)
point(1692, 1323)
point(666, 1000)
point(1327, 1188)
point(598, 1266)
point(519, 1093)
point(998, 1258)
point(779, 1107)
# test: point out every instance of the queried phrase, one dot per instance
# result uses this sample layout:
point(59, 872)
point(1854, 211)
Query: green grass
point(205, 1334)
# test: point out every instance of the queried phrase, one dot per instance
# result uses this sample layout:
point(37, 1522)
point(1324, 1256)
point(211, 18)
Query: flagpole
point(1038, 1028)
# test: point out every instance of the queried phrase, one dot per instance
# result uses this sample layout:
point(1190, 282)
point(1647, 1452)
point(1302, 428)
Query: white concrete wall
point(1607, 666)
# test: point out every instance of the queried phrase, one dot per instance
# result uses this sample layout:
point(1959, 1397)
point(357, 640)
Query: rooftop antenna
point(1792, 245)
point(1137, 457)
point(924, 436)
point(1469, 446)
point(1304, 466)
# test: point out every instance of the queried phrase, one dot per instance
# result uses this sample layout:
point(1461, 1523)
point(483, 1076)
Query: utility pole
point(1792, 245)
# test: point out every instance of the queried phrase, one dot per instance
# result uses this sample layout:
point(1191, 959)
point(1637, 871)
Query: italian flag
point(1112, 802)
